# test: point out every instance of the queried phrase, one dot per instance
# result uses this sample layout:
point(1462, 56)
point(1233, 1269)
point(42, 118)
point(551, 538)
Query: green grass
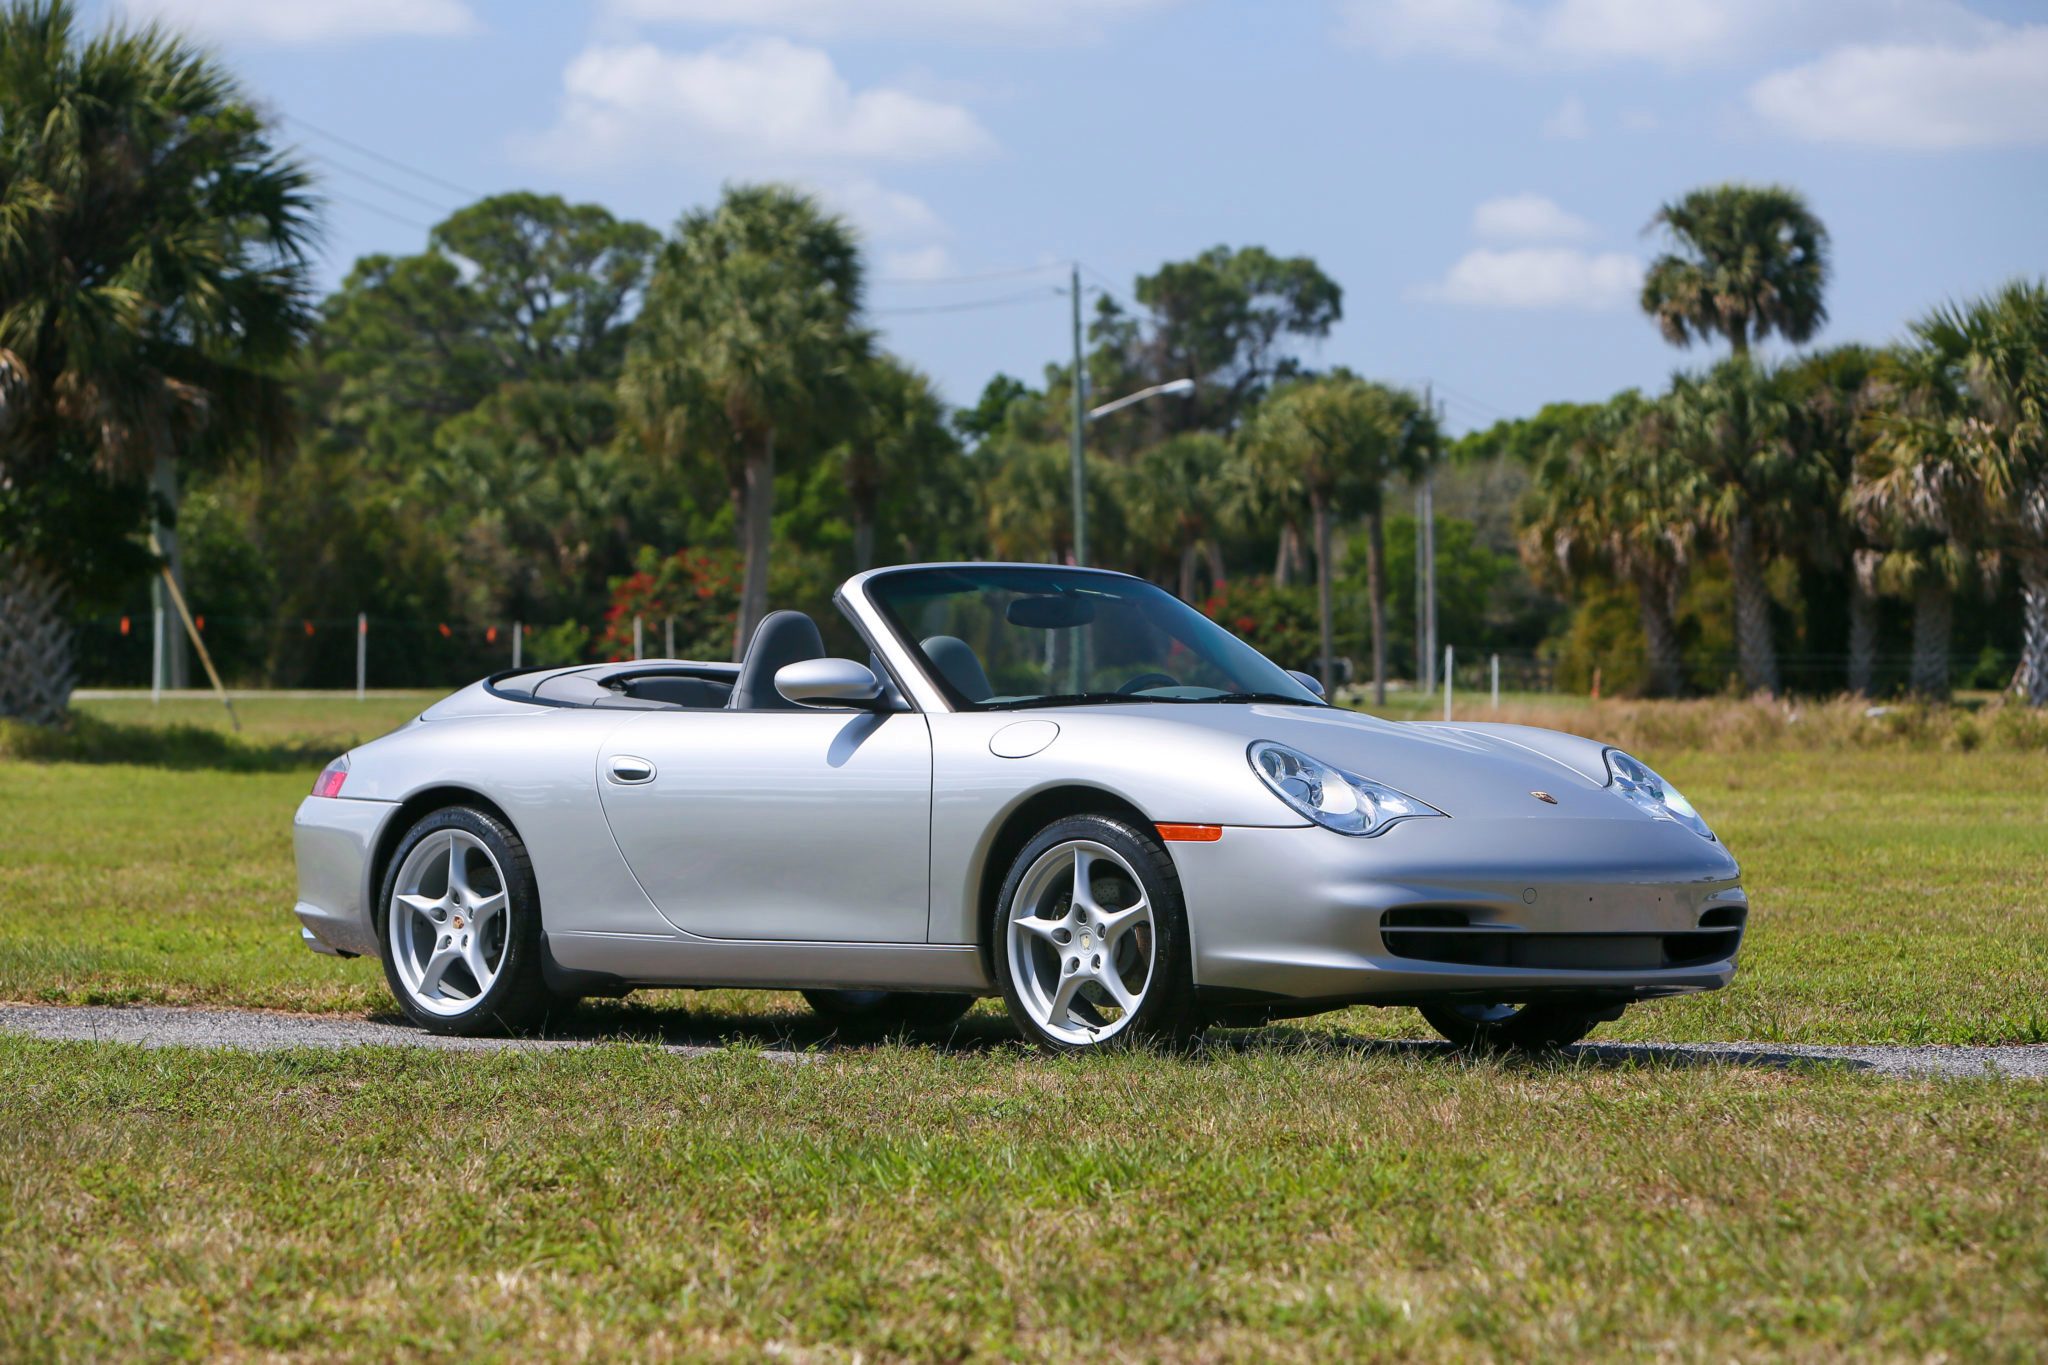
point(1298, 1202)
point(1898, 890)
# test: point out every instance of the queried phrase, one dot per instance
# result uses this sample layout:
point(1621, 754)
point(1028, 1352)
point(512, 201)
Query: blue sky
point(1475, 173)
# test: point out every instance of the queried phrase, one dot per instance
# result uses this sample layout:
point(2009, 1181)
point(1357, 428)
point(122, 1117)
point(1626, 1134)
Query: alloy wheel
point(1081, 942)
point(449, 922)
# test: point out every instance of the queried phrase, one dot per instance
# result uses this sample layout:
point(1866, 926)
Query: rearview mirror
point(830, 682)
point(1053, 611)
point(1308, 680)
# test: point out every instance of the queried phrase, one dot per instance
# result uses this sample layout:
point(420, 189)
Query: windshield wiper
point(1070, 699)
point(1271, 698)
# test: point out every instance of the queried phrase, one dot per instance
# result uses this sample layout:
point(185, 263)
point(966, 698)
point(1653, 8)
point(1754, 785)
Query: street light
point(1177, 387)
point(1171, 386)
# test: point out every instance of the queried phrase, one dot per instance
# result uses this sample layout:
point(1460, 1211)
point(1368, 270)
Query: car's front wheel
point(1090, 939)
point(461, 926)
point(1534, 1027)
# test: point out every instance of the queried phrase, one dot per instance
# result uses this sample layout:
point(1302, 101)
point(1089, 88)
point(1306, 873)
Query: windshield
point(997, 638)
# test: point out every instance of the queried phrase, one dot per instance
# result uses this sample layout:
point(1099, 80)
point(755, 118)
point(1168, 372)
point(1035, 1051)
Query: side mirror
point(830, 682)
point(1307, 680)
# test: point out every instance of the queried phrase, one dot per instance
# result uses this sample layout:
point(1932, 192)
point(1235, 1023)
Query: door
point(776, 824)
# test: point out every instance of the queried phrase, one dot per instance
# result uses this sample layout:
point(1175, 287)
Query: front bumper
point(334, 840)
point(1625, 908)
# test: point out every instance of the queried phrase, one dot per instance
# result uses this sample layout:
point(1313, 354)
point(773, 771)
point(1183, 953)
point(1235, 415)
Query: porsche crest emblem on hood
point(1545, 797)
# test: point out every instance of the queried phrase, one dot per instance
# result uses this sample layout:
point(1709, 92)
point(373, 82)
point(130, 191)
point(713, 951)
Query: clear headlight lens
point(1633, 778)
point(1331, 797)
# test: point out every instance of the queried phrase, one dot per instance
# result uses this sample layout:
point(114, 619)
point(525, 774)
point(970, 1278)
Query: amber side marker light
point(1190, 834)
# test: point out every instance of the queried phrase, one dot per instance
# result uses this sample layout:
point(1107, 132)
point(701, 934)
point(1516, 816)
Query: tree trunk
point(1189, 561)
point(1283, 562)
point(2032, 679)
point(1319, 510)
point(1660, 636)
point(35, 643)
point(1215, 559)
point(164, 484)
point(1376, 594)
point(756, 523)
point(1863, 624)
point(1753, 647)
point(863, 539)
point(1933, 616)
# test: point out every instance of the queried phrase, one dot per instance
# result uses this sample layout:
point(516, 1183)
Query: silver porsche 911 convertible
point(1061, 785)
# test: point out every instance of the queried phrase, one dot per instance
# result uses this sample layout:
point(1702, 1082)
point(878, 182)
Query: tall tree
point(1756, 485)
point(1749, 261)
point(1231, 320)
point(1177, 501)
point(2004, 431)
point(152, 275)
point(1615, 496)
point(749, 337)
point(1832, 390)
point(900, 444)
point(1332, 444)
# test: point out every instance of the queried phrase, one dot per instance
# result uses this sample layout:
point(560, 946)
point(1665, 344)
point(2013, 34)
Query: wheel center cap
point(458, 921)
point(1086, 940)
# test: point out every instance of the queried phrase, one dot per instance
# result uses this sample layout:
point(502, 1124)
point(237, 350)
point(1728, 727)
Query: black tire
point(1534, 1027)
point(519, 998)
point(1166, 1016)
point(880, 1014)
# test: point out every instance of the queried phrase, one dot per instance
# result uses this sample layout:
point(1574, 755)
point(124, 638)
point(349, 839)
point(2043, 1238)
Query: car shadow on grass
point(983, 1033)
point(186, 748)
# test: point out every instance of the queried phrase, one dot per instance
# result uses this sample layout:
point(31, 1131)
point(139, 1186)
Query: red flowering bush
point(1279, 622)
point(698, 589)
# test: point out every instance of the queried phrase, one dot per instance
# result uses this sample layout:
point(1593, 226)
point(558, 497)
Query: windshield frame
point(933, 684)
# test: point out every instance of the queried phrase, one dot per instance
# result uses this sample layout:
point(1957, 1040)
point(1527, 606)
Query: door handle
point(628, 769)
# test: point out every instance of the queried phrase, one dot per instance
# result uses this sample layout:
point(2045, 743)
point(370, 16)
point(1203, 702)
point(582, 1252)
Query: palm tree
point(900, 437)
point(2003, 429)
point(153, 277)
point(1618, 497)
point(1750, 261)
point(1833, 391)
point(1176, 502)
point(749, 337)
point(1757, 487)
point(1332, 444)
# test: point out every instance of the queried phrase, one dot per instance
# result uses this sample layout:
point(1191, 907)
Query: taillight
point(331, 777)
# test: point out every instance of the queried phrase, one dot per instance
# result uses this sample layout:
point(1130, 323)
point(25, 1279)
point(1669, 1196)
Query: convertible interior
point(782, 638)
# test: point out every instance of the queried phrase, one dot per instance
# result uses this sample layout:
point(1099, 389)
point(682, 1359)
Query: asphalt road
point(249, 1030)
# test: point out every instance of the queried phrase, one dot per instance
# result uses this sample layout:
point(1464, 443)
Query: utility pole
point(1427, 535)
point(1080, 428)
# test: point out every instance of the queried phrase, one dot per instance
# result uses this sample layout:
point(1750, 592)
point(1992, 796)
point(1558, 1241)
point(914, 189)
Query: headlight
point(1331, 797)
point(1633, 779)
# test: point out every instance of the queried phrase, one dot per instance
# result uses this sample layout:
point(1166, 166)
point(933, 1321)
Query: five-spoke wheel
point(1090, 939)
point(461, 925)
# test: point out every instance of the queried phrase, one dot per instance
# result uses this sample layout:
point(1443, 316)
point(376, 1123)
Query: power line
point(1005, 300)
point(392, 162)
point(975, 278)
point(383, 185)
point(379, 209)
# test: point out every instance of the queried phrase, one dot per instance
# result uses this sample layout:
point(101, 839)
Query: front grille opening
point(1723, 917)
point(1425, 917)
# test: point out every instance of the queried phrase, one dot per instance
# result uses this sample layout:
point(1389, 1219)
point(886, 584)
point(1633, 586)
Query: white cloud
point(1916, 96)
point(1673, 33)
point(758, 97)
point(1527, 218)
point(920, 263)
point(311, 21)
point(1539, 278)
point(979, 19)
point(882, 214)
point(1568, 123)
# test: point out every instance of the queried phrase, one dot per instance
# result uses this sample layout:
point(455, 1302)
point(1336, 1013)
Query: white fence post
point(636, 640)
point(362, 651)
point(517, 630)
point(1447, 682)
point(156, 658)
point(1496, 682)
point(668, 637)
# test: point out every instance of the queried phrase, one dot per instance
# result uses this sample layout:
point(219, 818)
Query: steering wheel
point(1147, 680)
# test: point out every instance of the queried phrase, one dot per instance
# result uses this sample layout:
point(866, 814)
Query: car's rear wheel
point(1533, 1027)
point(1090, 939)
point(884, 1013)
point(460, 928)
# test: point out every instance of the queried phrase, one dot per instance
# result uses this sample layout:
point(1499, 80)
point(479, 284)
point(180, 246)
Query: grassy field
point(1297, 1192)
point(1299, 1199)
point(1898, 888)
